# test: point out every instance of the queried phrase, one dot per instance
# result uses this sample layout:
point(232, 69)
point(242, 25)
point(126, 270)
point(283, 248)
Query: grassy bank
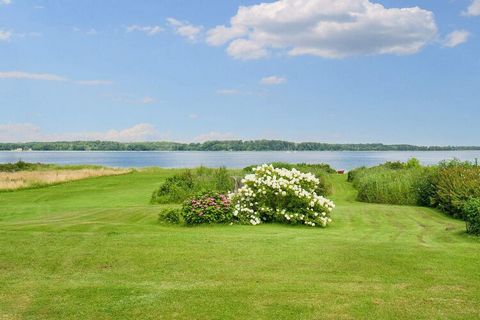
point(93, 249)
point(22, 175)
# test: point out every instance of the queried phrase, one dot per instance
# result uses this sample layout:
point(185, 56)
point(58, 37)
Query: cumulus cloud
point(149, 30)
point(473, 9)
point(273, 80)
point(27, 132)
point(455, 38)
point(214, 135)
point(325, 28)
point(5, 35)
point(48, 77)
point(185, 29)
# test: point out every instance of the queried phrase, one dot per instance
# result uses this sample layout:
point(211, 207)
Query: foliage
point(393, 183)
point(353, 174)
point(447, 186)
point(272, 194)
point(27, 166)
point(471, 213)
point(319, 168)
point(170, 215)
point(181, 186)
point(399, 186)
point(232, 145)
point(18, 166)
point(321, 171)
point(454, 185)
point(207, 208)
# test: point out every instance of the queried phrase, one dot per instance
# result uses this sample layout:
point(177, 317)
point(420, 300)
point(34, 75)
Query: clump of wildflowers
point(281, 195)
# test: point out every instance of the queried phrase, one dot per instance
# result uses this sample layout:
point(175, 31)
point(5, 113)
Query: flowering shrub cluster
point(280, 195)
point(208, 208)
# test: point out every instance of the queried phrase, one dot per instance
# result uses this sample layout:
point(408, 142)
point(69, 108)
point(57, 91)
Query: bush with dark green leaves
point(186, 184)
point(471, 213)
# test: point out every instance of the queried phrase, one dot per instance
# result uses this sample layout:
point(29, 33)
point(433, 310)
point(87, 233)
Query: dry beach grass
point(26, 179)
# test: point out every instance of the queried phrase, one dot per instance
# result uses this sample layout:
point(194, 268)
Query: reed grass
point(28, 179)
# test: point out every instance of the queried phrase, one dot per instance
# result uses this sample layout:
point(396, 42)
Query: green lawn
point(93, 249)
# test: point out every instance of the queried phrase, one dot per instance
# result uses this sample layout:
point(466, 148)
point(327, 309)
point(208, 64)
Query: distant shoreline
point(232, 145)
point(227, 151)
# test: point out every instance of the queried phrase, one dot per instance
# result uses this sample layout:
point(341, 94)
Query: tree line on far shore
point(231, 145)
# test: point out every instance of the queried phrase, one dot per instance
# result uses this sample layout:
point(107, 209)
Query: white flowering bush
point(272, 194)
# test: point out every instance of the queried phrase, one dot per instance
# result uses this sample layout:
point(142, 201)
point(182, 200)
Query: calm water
point(339, 160)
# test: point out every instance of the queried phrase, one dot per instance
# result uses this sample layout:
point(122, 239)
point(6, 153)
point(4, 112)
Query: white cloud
point(185, 29)
point(5, 35)
point(48, 77)
point(455, 38)
point(149, 30)
point(229, 92)
point(273, 80)
point(147, 100)
point(325, 28)
point(214, 135)
point(26, 132)
point(473, 9)
point(246, 50)
point(31, 76)
point(94, 82)
point(5, 2)
point(139, 132)
point(91, 32)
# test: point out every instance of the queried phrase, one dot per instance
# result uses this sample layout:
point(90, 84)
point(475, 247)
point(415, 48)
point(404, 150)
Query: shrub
point(456, 184)
point(272, 194)
point(471, 212)
point(170, 215)
point(321, 171)
point(207, 208)
point(186, 184)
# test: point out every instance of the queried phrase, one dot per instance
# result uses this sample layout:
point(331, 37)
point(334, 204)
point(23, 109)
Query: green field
point(93, 249)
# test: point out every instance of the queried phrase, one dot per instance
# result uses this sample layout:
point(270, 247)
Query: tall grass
point(447, 186)
point(383, 185)
point(27, 179)
point(27, 166)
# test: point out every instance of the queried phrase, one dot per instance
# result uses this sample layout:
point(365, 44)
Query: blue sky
point(349, 71)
